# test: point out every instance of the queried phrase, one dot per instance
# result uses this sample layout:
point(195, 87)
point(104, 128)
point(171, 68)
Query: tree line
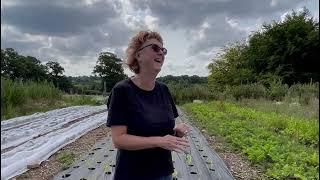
point(27, 68)
point(285, 51)
point(107, 72)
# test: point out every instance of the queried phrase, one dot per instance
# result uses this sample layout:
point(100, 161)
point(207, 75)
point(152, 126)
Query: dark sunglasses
point(155, 48)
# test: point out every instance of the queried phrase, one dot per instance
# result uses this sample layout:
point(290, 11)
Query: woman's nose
point(160, 53)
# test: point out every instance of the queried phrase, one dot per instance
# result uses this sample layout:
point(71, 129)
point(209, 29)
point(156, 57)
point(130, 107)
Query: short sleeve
point(117, 111)
point(174, 108)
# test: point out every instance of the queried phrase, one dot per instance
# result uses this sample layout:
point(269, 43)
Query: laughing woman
point(141, 114)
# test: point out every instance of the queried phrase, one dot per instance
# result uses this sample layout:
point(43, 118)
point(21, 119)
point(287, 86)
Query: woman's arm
point(122, 140)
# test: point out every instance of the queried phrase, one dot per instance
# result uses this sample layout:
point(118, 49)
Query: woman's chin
point(157, 68)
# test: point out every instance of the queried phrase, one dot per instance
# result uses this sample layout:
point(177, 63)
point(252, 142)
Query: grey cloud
point(77, 31)
point(218, 34)
point(190, 13)
point(85, 44)
point(55, 18)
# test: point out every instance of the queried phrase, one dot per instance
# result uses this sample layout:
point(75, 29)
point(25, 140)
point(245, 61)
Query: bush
point(16, 92)
point(304, 93)
point(277, 90)
point(183, 93)
point(12, 93)
point(246, 91)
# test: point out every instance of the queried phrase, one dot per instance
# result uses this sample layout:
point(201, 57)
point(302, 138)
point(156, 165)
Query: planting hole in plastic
point(66, 175)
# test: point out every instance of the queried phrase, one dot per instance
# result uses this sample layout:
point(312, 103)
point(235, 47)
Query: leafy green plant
point(284, 146)
point(66, 159)
point(175, 174)
point(189, 159)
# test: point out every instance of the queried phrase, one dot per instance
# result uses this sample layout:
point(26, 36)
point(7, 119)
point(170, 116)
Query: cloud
point(192, 13)
point(74, 32)
point(217, 31)
point(54, 18)
point(213, 23)
point(70, 32)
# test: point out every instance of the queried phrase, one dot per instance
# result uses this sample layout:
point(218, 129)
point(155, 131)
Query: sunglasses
point(155, 48)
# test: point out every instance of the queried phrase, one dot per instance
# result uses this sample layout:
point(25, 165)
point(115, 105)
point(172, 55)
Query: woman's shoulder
point(162, 85)
point(123, 84)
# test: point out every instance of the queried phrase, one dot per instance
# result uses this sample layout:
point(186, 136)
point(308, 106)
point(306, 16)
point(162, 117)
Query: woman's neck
point(145, 82)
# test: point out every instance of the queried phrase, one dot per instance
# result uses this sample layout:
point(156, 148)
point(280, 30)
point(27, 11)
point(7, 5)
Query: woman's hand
point(182, 129)
point(173, 143)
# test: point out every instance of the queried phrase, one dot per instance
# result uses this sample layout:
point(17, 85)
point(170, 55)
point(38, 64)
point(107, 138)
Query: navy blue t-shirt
point(145, 113)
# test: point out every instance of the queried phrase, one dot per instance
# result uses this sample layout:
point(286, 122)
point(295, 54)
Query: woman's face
point(151, 56)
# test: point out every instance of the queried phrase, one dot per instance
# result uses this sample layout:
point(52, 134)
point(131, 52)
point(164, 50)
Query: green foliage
point(79, 100)
point(228, 68)
point(284, 146)
point(15, 66)
point(183, 80)
point(109, 68)
point(66, 159)
point(246, 91)
point(27, 68)
point(277, 90)
point(304, 93)
point(183, 94)
point(54, 68)
point(288, 108)
point(297, 94)
point(282, 51)
point(15, 94)
point(187, 88)
point(87, 85)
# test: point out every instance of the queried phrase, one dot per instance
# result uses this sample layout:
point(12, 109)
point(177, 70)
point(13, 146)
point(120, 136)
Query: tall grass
point(183, 93)
point(306, 94)
point(309, 111)
point(15, 94)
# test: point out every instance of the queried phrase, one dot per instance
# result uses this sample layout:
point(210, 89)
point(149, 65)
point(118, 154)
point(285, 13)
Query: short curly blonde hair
point(135, 43)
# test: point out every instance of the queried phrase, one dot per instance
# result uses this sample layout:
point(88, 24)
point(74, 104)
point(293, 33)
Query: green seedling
point(189, 159)
point(106, 167)
point(87, 163)
point(211, 166)
point(66, 159)
point(174, 157)
point(175, 174)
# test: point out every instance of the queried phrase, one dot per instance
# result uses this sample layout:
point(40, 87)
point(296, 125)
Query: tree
point(285, 51)
point(15, 66)
point(64, 83)
point(54, 68)
point(55, 72)
point(109, 68)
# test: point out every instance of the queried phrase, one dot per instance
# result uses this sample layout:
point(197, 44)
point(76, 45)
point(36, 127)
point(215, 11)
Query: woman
point(141, 115)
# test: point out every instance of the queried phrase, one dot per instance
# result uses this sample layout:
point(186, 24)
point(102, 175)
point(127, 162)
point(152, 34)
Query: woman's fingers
point(175, 143)
point(182, 140)
point(179, 148)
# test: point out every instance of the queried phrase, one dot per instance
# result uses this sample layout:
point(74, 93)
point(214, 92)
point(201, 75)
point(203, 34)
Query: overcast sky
point(74, 32)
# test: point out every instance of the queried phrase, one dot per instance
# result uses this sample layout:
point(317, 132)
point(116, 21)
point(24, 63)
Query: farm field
point(283, 146)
